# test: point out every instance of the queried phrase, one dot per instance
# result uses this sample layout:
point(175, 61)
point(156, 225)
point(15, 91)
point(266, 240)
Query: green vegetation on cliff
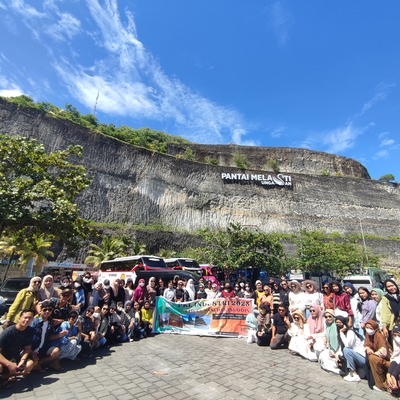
point(143, 137)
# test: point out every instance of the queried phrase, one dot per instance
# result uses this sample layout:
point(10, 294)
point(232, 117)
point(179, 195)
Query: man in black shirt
point(15, 348)
point(280, 336)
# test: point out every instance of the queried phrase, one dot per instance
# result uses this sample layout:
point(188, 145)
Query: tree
point(316, 252)
point(36, 248)
point(189, 154)
point(387, 178)
point(37, 191)
point(237, 247)
point(10, 246)
point(111, 247)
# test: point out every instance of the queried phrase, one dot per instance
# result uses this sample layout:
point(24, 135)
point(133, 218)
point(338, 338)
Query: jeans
point(353, 359)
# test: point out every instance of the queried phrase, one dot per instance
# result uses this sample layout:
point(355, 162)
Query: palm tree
point(110, 248)
point(163, 253)
point(36, 248)
point(139, 248)
point(10, 246)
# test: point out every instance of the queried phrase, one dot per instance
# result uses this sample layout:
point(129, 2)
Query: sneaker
point(377, 389)
point(352, 378)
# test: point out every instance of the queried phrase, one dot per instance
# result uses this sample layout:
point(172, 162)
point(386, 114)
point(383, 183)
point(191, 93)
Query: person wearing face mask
point(353, 350)
point(378, 352)
point(190, 291)
point(236, 288)
point(79, 295)
point(140, 293)
point(248, 293)
point(107, 290)
point(252, 325)
point(87, 285)
point(64, 284)
point(228, 292)
point(394, 367)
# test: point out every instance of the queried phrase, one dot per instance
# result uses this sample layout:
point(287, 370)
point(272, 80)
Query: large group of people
point(353, 333)
point(47, 323)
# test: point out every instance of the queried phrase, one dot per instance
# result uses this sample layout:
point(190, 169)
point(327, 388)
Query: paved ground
point(184, 367)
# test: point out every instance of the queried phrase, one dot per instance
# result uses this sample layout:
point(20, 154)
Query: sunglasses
point(281, 310)
point(312, 310)
point(89, 312)
point(308, 286)
point(47, 309)
point(73, 317)
point(112, 309)
point(105, 308)
point(34, 282)
point(328, 316)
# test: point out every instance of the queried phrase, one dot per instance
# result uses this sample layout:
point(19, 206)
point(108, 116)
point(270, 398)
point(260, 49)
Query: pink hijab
point(317, 324)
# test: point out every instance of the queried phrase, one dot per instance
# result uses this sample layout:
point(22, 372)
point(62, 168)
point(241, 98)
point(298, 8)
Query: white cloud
point(277, 132)
point(387, 142)
point(381, 154)
point(10, 92)
point(131, 83)
point(380, 95)
point(67, 25)
point(280, 21)
point(341, 139)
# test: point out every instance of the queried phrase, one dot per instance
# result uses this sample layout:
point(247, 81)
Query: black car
point(9, 290)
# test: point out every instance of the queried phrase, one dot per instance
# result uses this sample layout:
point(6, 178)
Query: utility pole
point(95, 104)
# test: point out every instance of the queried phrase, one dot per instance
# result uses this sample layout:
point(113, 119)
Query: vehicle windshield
point(154, 262)
point(15, 285)
point(188, 263)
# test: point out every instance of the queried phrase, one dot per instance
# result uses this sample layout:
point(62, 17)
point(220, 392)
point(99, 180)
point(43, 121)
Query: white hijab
point(190, 289)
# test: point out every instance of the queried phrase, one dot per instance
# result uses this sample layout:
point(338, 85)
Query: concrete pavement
point(181, 367)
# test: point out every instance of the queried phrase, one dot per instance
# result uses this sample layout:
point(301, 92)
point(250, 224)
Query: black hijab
point(394, 299)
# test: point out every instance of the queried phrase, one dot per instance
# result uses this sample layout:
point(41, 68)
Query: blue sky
point(317, 74)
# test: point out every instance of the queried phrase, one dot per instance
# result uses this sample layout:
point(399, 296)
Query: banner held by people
point(217, 317)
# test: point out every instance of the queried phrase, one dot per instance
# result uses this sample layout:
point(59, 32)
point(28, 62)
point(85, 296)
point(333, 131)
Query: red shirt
point(224, 293)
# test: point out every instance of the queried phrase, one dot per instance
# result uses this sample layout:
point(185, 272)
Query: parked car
point(9, 290)
point(361, 280)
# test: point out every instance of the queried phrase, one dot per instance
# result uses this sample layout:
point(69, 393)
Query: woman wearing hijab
point(47, 290)
point(298, 332)
point(366, 306)
point(394, 368)
point(355, 300)
point(316, 338)
point(378, 352)
point(377, 295)
point(390, 307)
point(190, 291)
point(297, 299)
point(311, 295)
point(152, 291)
point(329, 358)
point(353, 350)
point(140, 293)
point(26, 299)
point(342, 302)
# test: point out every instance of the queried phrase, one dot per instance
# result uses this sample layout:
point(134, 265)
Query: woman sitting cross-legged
point(353, 350)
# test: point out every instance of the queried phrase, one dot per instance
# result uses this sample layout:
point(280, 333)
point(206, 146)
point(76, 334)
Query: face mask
point(66, 284)
point(370, 331)
point(247, 288)
point(86, 280)
point(119, 308)
point(77, 285)
point(107, 287)
point(141, 284)
point(242, 285)
point(397, 339)
point(96, 315)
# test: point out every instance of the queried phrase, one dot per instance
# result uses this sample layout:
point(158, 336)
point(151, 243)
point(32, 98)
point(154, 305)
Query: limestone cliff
point(134, 185)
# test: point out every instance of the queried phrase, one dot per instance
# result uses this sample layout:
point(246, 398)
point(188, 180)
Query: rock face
point(289, 160)
point(136, 186)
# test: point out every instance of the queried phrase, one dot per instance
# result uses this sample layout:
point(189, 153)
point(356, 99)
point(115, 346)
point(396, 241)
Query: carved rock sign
point(268, 181)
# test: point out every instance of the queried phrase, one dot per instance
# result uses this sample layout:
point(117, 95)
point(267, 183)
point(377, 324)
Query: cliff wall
point(136, 186)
